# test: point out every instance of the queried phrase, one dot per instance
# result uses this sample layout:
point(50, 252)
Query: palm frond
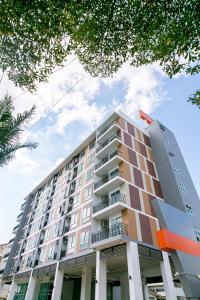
point(10, 129)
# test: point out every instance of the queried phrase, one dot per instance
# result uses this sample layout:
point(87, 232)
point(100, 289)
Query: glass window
point(77, 198)
point(42, 253)
point(176, 169)
point(86, 214)
point(71, 243)
point(88, 191)
point(189, 209)
point(74, 218)
point(79, 182)
point(197, 234)
point(92, 145)
point(90, 159)
point(90, 174)
point(166, 139)
point(55, 229)
point(84, 240)
point(80, 167)
point(46, 235)
point(182, 187)
point(51, 252)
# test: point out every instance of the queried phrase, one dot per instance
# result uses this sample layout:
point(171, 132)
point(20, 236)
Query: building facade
point(4, 288)
point(118, 214)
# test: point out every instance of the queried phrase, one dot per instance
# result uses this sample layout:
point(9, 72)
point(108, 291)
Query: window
point(79, 182)
point(74, 218)
point(162, 127)
point(51, 252)
point(90, 174)
point(82, 154)
point(114, 196)
point(84, 240)
point(77, 198)
point(189, 209)
point(176, 169)
point(113, 173)
point(71, 243)
point(116, 226)
point(80, 168)
point(166, 139)
point(59, 209)
point(46, 235)
point(42, 252)
point(182, 187)
point(197, 234)
point(88, 191)
point(55, 230)
point(28, 261)
point(171, 154)
point(90, 159)
point(92, 145)
point(86, 214)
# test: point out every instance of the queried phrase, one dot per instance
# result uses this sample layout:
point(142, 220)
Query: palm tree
point(11, 128)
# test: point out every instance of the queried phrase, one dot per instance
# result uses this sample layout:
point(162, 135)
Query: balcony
point(108, 183)
point(110, 143)
point(109, 130)
point(108, 237)
point(15, 229)
point(109, 207)
point(19, 217)
point(108, 163)
point(11, 241)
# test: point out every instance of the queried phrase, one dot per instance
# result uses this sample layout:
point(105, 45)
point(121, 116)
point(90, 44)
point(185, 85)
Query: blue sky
point(80, 112)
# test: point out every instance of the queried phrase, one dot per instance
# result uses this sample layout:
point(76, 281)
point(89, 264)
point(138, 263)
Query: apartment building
point(120, 213)
point(4, 253)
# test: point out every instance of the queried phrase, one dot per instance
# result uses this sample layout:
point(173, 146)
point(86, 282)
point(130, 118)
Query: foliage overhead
point(11, 128)
point(195, 99)
point(38, 35)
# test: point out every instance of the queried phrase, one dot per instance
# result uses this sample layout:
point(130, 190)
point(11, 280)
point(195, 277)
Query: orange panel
point(169, 241)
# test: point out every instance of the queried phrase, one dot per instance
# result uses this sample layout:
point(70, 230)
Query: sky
point(66, 119)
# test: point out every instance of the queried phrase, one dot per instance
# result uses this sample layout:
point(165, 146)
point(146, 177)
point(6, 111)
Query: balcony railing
point(115, 136)
point(105, 129)
point(15, 228)
point(10, 241)
point(106, 159)
point(105, 179)
point(105, 233)
point(112, 200)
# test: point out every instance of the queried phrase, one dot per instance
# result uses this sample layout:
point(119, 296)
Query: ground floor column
point(13, 289)
point(101, 278)
point(134, 275)
point(1, 288)
point(167, 277)
point(33, 288)
point(57, 285)
point(124, 286)
point(86, 283)
point(145, 289)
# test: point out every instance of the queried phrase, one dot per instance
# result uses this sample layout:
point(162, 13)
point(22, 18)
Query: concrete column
point(124, 286)
point(101, 278)
point(13, 289)
point(33, 288)
point(58, 282)
point(167, 277)
point(135, 282)
point(1, 288)
point(145, 289)
point(86, 283)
